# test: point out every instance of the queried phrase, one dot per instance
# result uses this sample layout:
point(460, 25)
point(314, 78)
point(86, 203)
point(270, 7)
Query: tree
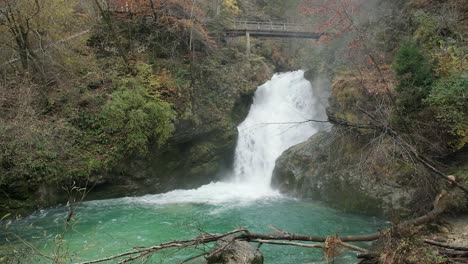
point(336, 16)
point(32, 25)
point(448, 100)
point(169, 28)
point(414, 73)
point(135, 115)
point(107, 18)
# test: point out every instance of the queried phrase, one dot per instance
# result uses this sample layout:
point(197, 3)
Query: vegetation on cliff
point(399, 109)
point(92, 96)
point(415, 109)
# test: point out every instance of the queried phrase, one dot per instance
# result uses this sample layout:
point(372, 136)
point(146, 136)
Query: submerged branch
point(201, 239)
point(298, 122)
point(273, 242)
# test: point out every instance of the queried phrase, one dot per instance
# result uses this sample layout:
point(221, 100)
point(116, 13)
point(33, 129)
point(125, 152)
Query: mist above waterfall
point(277, 120)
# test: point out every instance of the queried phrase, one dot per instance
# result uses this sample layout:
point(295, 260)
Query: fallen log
point(454, 253)
point(274, 242)
point(311, 238)
point(444, 245)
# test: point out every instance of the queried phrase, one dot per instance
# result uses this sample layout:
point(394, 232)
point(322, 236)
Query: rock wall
point(342, 166)
point(331, 166)
point(202, 147)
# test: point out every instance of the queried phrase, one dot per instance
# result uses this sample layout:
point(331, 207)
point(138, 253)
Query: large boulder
point(230, 251)
point(330, 167)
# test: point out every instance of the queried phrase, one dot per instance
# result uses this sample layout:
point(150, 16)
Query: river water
point(275, 122)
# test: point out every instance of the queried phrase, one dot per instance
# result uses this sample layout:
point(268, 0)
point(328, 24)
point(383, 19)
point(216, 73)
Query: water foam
point(275, 122)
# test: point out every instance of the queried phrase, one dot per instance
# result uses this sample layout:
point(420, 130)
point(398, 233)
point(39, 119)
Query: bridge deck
point(272, 29)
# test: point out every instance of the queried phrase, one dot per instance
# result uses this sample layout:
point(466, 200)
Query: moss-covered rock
point(330, 167)
point(227, 250)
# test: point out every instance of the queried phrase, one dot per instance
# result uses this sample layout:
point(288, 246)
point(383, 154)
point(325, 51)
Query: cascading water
point(276, 121)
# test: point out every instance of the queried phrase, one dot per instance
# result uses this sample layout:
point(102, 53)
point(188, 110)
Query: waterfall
point(276, 121)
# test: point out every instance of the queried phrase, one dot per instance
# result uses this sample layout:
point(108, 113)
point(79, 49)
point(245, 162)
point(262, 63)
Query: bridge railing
point(271, 26)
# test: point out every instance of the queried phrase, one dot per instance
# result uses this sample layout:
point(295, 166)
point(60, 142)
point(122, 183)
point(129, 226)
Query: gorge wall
point(203, 143)
point(200, 148)
point(342, 166)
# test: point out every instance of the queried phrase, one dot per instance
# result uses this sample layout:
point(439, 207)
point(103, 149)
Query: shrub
point(427, 27)
point(135, 117)
point(414, 73)
point(449, 100)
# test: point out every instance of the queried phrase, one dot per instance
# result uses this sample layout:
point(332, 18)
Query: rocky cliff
point(212, 100)
point(203, 143)
point(344, 166)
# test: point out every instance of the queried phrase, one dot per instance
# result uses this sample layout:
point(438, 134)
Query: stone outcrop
point(332, 167)
point(229, 251)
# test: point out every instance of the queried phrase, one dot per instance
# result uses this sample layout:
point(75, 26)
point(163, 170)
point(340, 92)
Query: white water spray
point(276, 121)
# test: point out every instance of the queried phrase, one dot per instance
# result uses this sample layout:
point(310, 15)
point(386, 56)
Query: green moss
point(348, 196)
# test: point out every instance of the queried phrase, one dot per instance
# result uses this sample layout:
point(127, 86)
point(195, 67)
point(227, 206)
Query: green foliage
point(414, 73)
point(426, 32)
point(136, 117)
point(411, 66)
point(431, 87)
point(441, 40)
point(128, 123)
point(78, 139)
point(451, 59)
point(449, 101)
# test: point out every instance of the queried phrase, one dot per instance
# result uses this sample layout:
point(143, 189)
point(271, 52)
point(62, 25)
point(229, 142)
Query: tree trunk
point(106, 16)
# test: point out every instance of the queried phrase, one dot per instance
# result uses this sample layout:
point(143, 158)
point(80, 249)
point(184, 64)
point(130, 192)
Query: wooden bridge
point(272, 29)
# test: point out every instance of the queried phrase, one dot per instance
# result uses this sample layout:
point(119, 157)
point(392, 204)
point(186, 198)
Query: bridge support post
point(247, 35)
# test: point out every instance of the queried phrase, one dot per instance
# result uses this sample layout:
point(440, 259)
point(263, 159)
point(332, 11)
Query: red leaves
point(336, 15)
point(338, 19)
